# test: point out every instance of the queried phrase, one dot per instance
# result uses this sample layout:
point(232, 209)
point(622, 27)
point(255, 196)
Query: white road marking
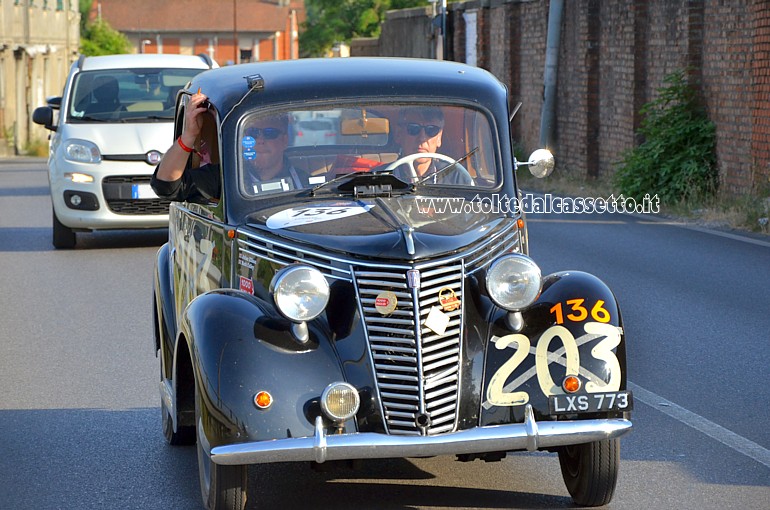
point(728, 438)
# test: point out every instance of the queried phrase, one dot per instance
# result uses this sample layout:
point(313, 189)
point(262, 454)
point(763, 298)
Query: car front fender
point(574, 328)
point(239, 346)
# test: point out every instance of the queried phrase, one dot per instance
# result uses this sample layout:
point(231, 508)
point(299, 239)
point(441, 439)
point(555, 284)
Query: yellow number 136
point(579, 313)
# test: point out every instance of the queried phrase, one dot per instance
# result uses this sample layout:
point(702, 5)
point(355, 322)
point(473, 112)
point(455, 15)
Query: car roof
point(143, 60)
point(305, 79)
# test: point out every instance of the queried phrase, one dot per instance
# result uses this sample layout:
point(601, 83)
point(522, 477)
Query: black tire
point(63, 237)
point(590, 471)
point(222, 487)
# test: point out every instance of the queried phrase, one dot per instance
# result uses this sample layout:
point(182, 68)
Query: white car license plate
point(591, 402)
point(140, 191)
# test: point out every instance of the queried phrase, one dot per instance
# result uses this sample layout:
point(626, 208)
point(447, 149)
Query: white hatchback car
point(312, 132)
point(115, 120)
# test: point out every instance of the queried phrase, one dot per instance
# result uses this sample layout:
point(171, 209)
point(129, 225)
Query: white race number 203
point(501, 394)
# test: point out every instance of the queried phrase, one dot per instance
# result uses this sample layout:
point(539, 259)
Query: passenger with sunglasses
point(421, 130)
point(170, 180)
point(265, 167)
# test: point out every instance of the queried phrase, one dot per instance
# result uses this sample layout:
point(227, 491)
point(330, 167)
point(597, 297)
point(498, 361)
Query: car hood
point(122, 139)
point(406, 227)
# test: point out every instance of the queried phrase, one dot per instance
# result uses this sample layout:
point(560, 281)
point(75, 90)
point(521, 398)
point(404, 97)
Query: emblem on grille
point(448, 300)
point(385, 302)
point(413, 278)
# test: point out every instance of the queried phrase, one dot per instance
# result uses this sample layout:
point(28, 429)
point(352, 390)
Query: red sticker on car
point(246, 285)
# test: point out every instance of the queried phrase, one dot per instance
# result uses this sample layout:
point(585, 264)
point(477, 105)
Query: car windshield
point(126, 95)
point(422, 144)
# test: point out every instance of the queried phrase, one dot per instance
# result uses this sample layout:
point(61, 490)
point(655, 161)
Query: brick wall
point(613, 57)
point(760, 80)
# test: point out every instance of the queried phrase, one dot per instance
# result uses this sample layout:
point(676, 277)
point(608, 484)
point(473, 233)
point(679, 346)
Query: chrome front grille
point(417, 370)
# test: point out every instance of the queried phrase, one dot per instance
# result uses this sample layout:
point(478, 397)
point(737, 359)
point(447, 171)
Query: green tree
point(84, 6)
point(332, 21)
point(99, 38)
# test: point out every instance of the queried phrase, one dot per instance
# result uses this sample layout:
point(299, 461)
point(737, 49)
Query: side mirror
point(541, 163)
point(43, 115)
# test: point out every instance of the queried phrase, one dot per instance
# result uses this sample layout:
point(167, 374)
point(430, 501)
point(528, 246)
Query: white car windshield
point(422, 144)
point(126, 95)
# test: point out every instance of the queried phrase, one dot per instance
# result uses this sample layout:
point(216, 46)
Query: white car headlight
point(300, 292)
point(81, 151)
point(514, 282)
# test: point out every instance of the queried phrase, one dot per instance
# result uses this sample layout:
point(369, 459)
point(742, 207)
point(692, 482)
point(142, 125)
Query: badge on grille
point(437, 321)
point(448, 300)
point(413, 278)
point(385, 302)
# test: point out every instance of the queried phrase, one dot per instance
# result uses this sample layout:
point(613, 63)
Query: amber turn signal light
point(571, 384)
point(263, 400)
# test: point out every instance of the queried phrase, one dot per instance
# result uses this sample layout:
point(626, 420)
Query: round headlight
point(513, 282)
point(340, 401)
point(300, 292)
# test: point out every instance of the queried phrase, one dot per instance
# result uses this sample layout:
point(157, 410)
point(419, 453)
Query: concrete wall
point(613, 58)
point(38, 42)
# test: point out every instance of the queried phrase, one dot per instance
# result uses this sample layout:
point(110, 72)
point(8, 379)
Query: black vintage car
point(377, 300)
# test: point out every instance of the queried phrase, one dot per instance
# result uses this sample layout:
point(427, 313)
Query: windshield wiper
point(88, 118)
point(442, 170)
point(368, 184)
point(150, 117)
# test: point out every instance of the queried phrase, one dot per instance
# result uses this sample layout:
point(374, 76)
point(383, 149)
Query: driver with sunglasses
point(420, 130)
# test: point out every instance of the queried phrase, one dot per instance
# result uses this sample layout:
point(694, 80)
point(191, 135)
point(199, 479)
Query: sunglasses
point(430, 129)
point(266, 133)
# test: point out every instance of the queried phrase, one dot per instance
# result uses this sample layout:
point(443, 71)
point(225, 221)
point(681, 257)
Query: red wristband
point(183, 146)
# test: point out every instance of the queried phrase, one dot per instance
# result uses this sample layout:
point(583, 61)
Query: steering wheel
point(411, 158)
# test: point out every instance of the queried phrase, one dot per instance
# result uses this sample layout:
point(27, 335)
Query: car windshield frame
point(366, 139)
point(127, 94)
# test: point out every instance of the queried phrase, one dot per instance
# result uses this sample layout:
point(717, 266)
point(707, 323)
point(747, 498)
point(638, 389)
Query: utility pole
point(236, 46)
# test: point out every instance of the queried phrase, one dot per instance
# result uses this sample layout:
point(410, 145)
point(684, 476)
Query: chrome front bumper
point(529, 435)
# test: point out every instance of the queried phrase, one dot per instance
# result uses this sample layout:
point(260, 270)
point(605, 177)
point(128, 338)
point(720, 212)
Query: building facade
point(229, 31)
point(39, 39)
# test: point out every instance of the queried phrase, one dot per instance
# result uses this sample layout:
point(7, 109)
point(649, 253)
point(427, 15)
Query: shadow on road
point(19, 239)
point(98, 458)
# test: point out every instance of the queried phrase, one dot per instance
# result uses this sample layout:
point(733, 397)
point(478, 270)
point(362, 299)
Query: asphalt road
point(79, 416)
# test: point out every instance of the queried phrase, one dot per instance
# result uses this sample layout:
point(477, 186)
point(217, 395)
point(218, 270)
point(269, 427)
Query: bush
point(676, 159)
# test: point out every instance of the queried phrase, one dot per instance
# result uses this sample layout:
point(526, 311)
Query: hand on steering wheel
point(411, 158)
